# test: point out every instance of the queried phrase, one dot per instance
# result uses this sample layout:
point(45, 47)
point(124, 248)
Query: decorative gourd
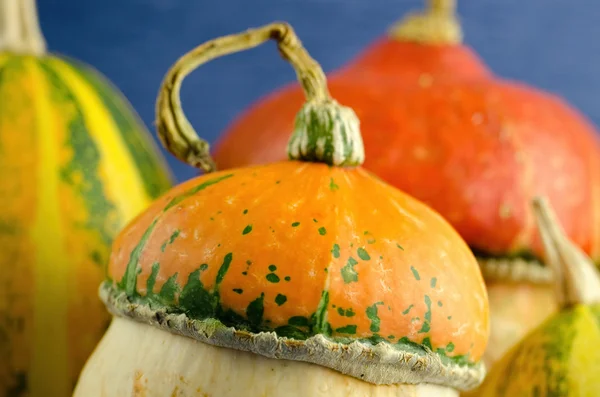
point(287, 275)
point(473, 146)
point(560, 357)
point(75, 165)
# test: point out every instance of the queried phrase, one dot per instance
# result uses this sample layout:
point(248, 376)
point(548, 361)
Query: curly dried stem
point(438, 24)
point(175, 131)
point(20, 28)
point(577, 280)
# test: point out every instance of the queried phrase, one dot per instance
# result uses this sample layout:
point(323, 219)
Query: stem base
point(428, 28)
point(20, 31)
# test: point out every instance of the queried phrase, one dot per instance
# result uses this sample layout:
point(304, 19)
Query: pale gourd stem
point(577, 280)
point(438, 24)
point(20, 31)
point(174, 129)
point(447, 7)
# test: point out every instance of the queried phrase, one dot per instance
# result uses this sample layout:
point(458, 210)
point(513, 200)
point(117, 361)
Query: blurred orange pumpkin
point(418, 51)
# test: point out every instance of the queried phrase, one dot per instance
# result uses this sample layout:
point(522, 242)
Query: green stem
point(20, 31)
point(180, 138)
point(576, 278)
point(438, 24)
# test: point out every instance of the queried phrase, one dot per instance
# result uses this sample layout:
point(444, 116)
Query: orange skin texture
point(388, 59)
point(211, 225)
point(472, 146)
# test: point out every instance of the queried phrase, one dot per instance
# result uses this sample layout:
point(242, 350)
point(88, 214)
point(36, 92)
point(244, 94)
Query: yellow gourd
point(560, 357)
point(76, 164)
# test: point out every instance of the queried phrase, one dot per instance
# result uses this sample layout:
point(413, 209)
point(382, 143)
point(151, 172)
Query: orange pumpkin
point(420, 50)
point(439, 125)
point(290, 261)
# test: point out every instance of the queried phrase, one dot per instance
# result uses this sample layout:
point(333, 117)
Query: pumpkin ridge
point(129, 280)
point(92, 206)
point(15, 241)
point(559, 351)
point(320, 316)
point(190, 192)
point(121, 175)
point(85, 150)
point(526, 182)
point(50, 333)
point(380, 363)
point(561, 327)
point(149, 163)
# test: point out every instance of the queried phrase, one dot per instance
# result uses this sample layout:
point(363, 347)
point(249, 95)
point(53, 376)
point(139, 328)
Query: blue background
point(552, 44)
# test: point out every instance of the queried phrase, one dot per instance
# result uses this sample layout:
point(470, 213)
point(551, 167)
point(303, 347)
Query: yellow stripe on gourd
point(584, 360)
point(120, 177)
point(49, 372)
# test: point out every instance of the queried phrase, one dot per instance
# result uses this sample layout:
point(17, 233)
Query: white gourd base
point(136, 359)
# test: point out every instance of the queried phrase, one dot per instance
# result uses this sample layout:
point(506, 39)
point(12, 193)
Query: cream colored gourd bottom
point(139, 360)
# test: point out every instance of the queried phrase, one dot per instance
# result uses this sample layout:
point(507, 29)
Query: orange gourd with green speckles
point(356, 294)
point(76, 164)
point(439, 125)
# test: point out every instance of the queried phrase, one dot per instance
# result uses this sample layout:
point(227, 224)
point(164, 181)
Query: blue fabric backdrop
point(552, 44)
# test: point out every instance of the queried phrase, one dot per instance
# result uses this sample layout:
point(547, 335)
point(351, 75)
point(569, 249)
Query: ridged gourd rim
point(515, 270)
point(379, 363)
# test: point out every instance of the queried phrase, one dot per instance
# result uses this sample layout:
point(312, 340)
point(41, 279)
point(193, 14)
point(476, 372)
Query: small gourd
point(560, 357)
point(304, 277)
point(439, 125)
point(76, 164)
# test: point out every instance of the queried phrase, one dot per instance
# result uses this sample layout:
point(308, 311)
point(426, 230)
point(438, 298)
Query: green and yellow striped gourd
point(561, 357)
point(76, 164)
